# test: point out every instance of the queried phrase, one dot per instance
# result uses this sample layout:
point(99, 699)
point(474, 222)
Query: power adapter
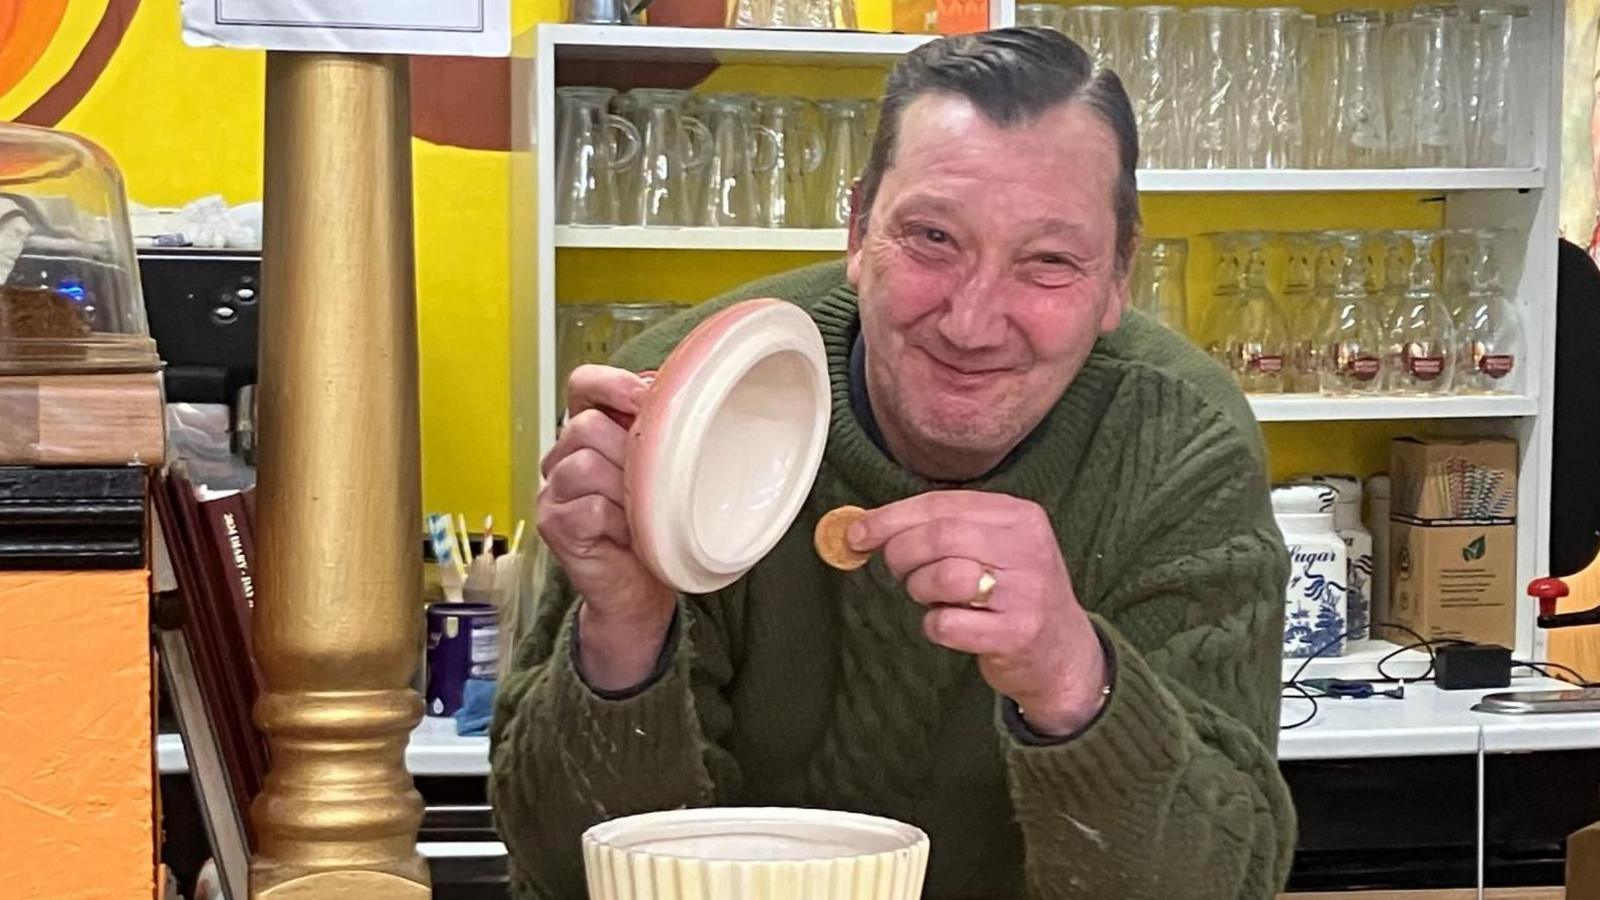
point(1458, 667)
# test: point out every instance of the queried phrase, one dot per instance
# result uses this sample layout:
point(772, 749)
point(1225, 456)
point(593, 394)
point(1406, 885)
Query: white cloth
point(14, 231)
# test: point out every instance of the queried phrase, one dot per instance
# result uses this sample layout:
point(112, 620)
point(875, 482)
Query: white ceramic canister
point(1378, 524)
point(1314, 610)
point(1359, 547)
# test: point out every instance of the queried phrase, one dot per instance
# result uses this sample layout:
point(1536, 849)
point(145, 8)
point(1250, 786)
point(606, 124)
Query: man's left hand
point(1033, 641)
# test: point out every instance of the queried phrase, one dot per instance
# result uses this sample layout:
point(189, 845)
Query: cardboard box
point(1453, 540)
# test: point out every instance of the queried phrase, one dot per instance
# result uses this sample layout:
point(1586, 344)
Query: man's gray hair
point(1012, 75)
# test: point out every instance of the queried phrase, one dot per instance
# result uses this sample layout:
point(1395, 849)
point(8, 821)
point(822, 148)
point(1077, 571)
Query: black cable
point(1293, 684)
point(1543, 669)
point(1422, 643)
point(1306, 695)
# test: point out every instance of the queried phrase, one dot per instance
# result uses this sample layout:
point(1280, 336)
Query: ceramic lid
point(727, 444)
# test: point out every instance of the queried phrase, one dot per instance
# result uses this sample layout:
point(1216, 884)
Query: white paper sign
point(417, 27)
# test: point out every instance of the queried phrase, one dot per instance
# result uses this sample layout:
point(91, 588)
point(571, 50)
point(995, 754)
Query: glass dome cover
point(70, 300)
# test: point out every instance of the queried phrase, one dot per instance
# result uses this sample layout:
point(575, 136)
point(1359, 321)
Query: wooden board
point(82, 420)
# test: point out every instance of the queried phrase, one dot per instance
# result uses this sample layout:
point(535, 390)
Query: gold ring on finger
point(986, 583)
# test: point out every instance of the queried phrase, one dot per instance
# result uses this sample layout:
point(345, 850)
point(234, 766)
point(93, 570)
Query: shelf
point(774, 47)
point(1360, 662)
point(1428, 722)
point(618, 237)
point(1312, 408)
point(1174, 181)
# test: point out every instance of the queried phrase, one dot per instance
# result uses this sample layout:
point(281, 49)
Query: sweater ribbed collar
point(1040, 469)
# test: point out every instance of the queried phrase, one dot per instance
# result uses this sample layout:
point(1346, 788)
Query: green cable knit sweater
point(803, 686)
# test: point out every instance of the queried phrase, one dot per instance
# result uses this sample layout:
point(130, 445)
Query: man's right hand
point(626, 610)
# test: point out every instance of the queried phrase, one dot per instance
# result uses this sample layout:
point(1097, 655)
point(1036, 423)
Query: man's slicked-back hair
point(1012, 76)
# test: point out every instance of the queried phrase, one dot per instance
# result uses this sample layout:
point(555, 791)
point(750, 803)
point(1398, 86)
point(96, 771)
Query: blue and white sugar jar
point(1358, 547)
point(1315, 611)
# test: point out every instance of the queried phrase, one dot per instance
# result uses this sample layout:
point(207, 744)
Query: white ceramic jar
point(1358, 546)
point(1314, 601)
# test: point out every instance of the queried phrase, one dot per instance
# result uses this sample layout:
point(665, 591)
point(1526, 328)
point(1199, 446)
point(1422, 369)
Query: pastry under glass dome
point(70, 300)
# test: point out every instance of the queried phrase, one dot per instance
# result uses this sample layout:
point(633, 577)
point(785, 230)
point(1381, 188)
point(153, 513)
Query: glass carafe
point(1438, 135)
point(1274, 134)
point(1352, 330)
point(1215, 94)
point(740, 149)
point(1421, 336)
point(847, 140)
point(1040, 15)
point(589, 157)
point(1400, 80)
point(1391, 250)
point(1302, 308)
point(1359, 128)
point(1490, 81)
point(1098, 30)
point(781, 195)
point(1318, 88)
point(1489, 334)
point(1244, 328)
point(812, 14)
point(1455, 278)
point(1158, 282)
point(672, 146)
point(1153, 83)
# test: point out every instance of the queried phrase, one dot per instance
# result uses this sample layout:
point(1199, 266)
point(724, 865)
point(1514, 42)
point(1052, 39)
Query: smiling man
point(1063, 661)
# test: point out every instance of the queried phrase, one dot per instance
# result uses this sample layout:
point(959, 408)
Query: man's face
point(986, 272)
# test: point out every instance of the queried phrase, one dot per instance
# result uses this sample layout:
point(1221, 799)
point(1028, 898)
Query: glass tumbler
point(588, 157)
point(781, 196)
point(1159, 290)
point(1274, 136)
point(728, 189)
point(1421, 337)
point(1098, 30)
point(672, 146)
point(1438, 135)
point(1489, 330)
point(1215, 85)
point(1152, 79)
point(846, 142)
point(1359, 138)
point(1040, 15)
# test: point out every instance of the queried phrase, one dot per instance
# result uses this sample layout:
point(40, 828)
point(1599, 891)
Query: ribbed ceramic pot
point(727, 444)
point(754, 854)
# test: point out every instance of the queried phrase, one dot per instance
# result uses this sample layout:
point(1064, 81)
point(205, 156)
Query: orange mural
point(23, 38)
point(28, 32)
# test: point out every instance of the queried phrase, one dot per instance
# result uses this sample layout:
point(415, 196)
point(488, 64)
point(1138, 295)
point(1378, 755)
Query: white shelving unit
point(1523, 200)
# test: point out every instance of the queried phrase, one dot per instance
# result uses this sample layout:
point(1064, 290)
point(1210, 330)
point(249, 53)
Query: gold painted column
point(337, 613)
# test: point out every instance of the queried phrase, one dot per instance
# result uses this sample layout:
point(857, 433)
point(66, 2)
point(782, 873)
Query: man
point(1063, 660)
